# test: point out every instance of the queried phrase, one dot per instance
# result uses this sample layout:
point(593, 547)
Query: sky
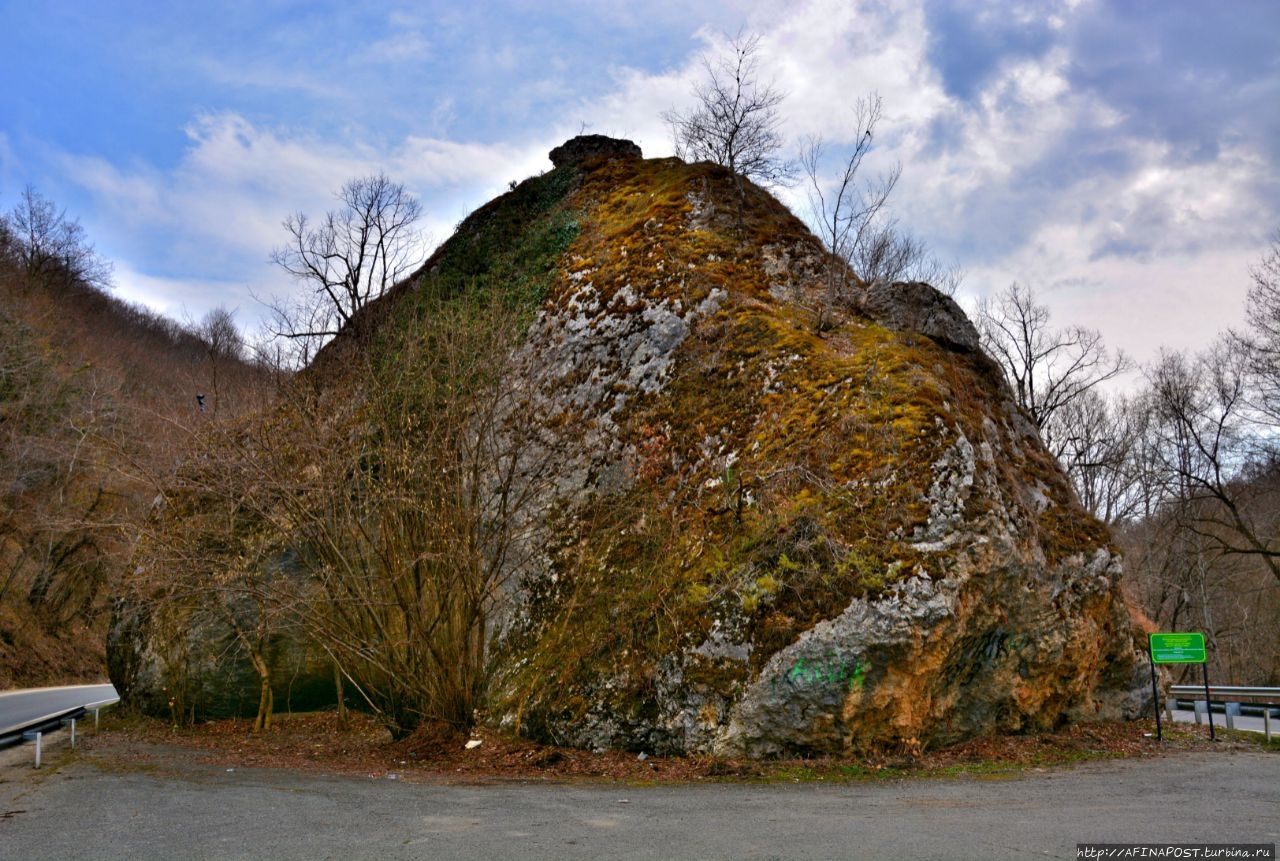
point(1121, 158)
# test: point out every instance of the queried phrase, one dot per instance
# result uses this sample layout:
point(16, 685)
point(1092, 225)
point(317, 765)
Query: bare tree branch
point(1047, 368)
point(350, 258)
point(1206, 454)
point(1261, 342)
point(49, 245)
point(736, 122)
point(847, 212)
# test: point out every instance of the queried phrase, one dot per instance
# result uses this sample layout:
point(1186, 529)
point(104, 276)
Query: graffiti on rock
point(830, 671)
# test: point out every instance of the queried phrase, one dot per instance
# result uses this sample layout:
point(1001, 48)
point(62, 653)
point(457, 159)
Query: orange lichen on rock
point(779, 491)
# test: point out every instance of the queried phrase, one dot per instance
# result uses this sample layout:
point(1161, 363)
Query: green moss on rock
point(775, 478)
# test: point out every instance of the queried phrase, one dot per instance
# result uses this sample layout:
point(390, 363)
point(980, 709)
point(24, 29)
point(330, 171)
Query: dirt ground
point(316, 743)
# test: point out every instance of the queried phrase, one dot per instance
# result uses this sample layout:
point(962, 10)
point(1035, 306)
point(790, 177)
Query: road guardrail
point(34, 729)
point(1235, 700)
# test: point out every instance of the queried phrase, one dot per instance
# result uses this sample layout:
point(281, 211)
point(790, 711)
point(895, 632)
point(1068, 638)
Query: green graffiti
point(828, 671)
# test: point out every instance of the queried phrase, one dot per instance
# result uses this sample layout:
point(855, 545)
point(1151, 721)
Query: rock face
point(764, 535)
point(196, 674)
point(583, 148)
point(775, 542)
point(917, 307)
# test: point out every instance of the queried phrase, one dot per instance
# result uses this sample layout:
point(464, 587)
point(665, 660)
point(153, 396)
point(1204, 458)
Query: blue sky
point(1121, 158)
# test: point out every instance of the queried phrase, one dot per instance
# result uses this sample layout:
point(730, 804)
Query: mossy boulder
point(778, 537)
point(183, 665)
point(914, 306)
point(761, 525)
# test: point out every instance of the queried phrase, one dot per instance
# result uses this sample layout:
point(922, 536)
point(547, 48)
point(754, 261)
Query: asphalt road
point(80, 811)
point(17, 707)
point(1248, 723)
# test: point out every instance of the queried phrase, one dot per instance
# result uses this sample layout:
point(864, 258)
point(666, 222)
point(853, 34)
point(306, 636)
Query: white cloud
point(631, 110)
point(1028, 177)
point(829, 53)
point(1167, 206)
point(1178, 300)
point(1034, 181)
point(408, 44)
point(218, 213)
point(269, 76)
point(181, 299)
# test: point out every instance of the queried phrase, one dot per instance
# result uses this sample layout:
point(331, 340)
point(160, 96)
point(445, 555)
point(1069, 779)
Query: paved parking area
point(81, 810)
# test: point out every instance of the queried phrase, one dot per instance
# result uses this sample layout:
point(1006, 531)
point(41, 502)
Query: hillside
point(96, 402)
point(597, 475)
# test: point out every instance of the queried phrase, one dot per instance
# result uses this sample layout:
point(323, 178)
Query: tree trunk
point(266, 699)
point(342, 703)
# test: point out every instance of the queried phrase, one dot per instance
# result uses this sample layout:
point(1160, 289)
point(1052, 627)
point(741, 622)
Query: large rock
point(182, 664)
point(584, 148)
point(757, 529)
point(775, 540)
point(914, 306)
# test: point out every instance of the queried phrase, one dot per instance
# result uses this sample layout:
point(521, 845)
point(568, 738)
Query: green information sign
point(1177, 648)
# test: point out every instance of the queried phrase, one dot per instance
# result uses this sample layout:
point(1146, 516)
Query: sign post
point(1183, 648)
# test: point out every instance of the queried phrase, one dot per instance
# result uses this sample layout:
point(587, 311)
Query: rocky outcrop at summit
point(584, 148)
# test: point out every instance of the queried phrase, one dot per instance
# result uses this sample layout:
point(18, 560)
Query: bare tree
point(221, 336)
point(9, 253)
point(412, 524)
point(208, 559)
point(845, 212)
point(58, 505)
point(1261, 342)
point(50, 246)
point(1047, 368)
point(348, 259)
point(736, 121)
point(1213, 466)
point(1101, 443)
point(1206, 555)
point(224, 346)
point(1183, 581)
point(887, 252)
point(401, 495)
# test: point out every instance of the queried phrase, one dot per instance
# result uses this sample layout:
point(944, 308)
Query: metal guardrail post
point(34, 729)
point(1266, 724)
point(97, 707)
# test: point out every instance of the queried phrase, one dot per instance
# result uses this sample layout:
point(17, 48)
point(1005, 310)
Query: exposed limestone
point(994, 608)
point(801, 697)
point(759, 538)
point(953, 479)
